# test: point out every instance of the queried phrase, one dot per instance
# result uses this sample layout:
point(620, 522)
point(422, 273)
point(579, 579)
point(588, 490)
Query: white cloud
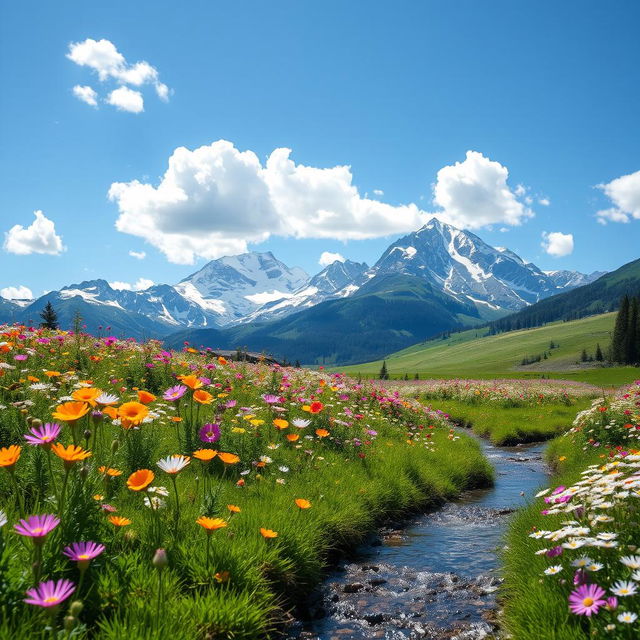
point(327, 258)
point(216, 199)
point(545, 202)
point(126, 99)
point(39, 237)
point(557, 244)
point(474, 193)
point(103, 57)
point(86, 94)
point(624, 192)
point(140, 285)
point(378, 192)
point(139, 255)
point(16, 293)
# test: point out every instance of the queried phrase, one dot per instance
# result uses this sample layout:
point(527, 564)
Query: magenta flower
point(37, 527)
point(21, 357)
point(174, 393)
point(83, 552)
point(269, 398)
point(586, 600)
point(210, 433)
point(50, 593)
point(554, 551)
point(43, 435)
point(229, 404)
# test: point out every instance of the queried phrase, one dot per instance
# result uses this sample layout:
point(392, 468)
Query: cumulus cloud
point(378, 192)
point(103, 57)
point(39, 237)
point(474, 193)
point(16, 293)
point(545, 202)
point(216, 199)
point(557, 244)
point(86, 94)
point(139, 255)
point(140, 285)
point(327, 258)
point(624, 193)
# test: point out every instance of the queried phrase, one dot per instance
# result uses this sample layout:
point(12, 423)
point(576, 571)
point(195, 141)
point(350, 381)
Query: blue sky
point(398, 91)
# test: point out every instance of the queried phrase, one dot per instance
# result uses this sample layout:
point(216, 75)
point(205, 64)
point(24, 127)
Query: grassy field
point(473, 354)
point(513, 425)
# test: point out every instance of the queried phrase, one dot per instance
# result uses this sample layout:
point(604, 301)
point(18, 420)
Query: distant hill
point(600, 296)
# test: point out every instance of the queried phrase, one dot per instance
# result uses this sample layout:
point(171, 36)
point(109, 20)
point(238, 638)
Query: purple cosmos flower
point(612, 603)
point(20, 357)
point(37, 527)
point(586, 599)
point(229, 404)
point(43, 435)
point(269, 398)
point(83, 552)
point(175, 393)
point(210, 433)
point(50, 593)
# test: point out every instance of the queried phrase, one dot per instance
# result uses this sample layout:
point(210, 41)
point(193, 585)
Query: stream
point(436, 577)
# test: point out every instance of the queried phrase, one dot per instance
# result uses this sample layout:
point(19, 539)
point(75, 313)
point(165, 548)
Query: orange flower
point(86, 394)
point(222, 360)
point(145, 397)
point(233, 508)
point(268, 533)
point(316, 407)
point(140, 479)
point(71, 411)
point(52, 374)
point(202, 397)
point(112, 412)
point(176, 419)
point(206, 455)
point(71, 454)
point(229, 458)
point(193, 382)
point(133, 412)
point(33, 379)
point(108, 471)
point(222, 576)
point(9, 456)
point(322, 433)
point(119, 521)
point(292, 437)
point(302, 503)
point(211, 524)
point(280, 423)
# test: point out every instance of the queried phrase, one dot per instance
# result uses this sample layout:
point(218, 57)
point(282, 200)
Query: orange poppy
point(292, 437)
point(140, 479)
point(108, 471)
point(9, 456)
point(211, 524)
point(145, 397)
point(119, 521)
point(71, 454)
point(302, 503)
point(206, 455)
point(133, 412)
point(268, 533)
point(52, 374)
point(322, 433)
point(316, 407)
point(202, 397)
point(71, 411)
point(191, 381)
point(86, 394)
point(112, 412)
point(222, 360)
point(229, 458)
point(280, 423)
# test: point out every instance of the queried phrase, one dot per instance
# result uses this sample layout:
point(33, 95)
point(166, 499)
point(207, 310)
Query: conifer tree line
point(625, 342)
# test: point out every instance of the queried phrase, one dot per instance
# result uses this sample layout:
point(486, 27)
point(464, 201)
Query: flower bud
point(84, 471)
point(76, 607)
point(69, 623)
point(114, 446)
point(160, 560)
point(87, 435)
point(35, 422)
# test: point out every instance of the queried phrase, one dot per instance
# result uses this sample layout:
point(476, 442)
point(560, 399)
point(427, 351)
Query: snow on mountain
point(571, 279)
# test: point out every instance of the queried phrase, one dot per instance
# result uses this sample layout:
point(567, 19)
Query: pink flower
point(83, 552)
point(586, 600)
point(43, 435)
point(210, 433)
point(175, 393)
point(50, 593)
point(37, 527)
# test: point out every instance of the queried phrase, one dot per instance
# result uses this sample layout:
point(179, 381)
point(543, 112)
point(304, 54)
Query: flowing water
point(437, 577)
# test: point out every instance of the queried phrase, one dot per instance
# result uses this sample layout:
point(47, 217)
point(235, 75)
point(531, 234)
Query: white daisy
point(550, 571)
point(622, 588)
point(627, 617)
point(173, 464)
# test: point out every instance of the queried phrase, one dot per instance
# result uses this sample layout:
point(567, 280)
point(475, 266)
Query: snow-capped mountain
point(572, 279)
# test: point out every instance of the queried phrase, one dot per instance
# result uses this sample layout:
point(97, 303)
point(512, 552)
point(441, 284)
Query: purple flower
point(20, 357)
point(612, 603)
point(586, 599)
point(210, 433)
point(83, 552)
point(229, 404)
point(269, 398)
point(37, 527)
point(50, 593)
point(43, 435)
point(554, 551)
point(371, 432)
point(175, 393)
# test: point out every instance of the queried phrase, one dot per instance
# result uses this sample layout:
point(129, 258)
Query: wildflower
point(627, 617)
point(292, 437)
point(3, 518)
point(279, 423)
point(145, 397)
point(133, 412)
point(202, 397)
point(154, 502)
point(43, 434)
point(551, 571)
point(586, 599)
point(37, 527)
point(173, 394)
point(108, 471)
point(211, 524)
point(140, 480)
point(173, 464)
point(86, 394)
point(205, 455)
point(316, 407)
point(322, 433)
point(71, 454)
point(106, 399)
point(50, 593)
point(233, 508)
point(193, 382)
point(71, 411)
point(83, 553)
point(301, 423)
point(119, 521)
point(222, 576)
point(622, 588)
point(268, 533)
point(9, 456)
point(633, 562)
point(229, 458)
point(209, 433)
point(270, 398)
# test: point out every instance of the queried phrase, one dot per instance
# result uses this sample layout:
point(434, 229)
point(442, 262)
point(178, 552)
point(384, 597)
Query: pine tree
point(599, 354)
point(417, 376)
point(406, 376)
point(49, 317)
point(620, 331)
point(630, 345)
point(384, 375)
point(584, 357)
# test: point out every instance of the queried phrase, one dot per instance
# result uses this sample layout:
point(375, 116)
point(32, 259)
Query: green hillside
point(473, 353)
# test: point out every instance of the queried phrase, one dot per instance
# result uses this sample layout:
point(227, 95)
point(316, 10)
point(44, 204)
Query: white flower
point(106, 399)
point(154, 502)
point(595, 566)
point(284, 469)
point(301, 423)
point(3, 518)
point(627, 617)
point(159, 491)
point(173, 464)
point(542, 493)
point(581, 562)
point(633, 562)
point(622, 588)
point(550, 571)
